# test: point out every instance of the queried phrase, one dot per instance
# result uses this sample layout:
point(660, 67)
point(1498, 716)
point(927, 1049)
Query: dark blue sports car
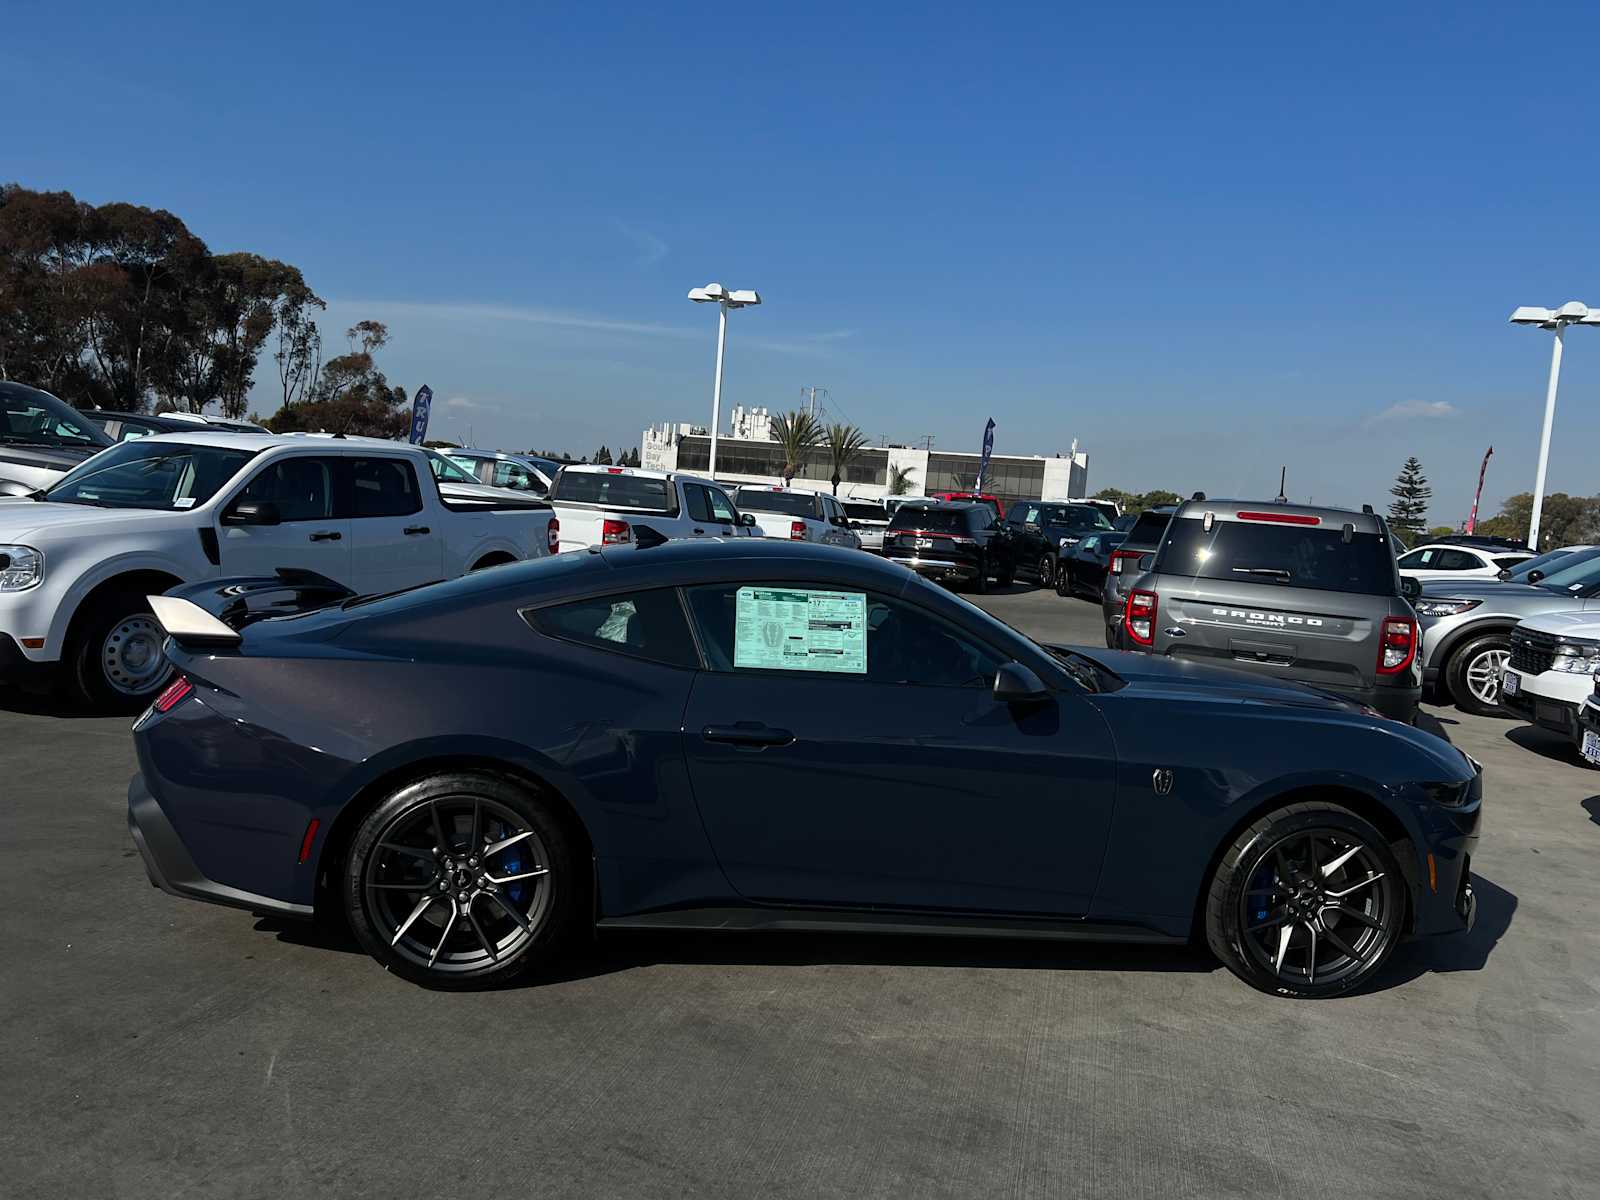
point(770, 735)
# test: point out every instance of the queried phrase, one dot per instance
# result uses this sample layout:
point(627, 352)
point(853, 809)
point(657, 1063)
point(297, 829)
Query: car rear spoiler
point(213, 613)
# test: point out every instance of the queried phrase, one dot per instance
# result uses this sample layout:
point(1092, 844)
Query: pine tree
point(1408, 511)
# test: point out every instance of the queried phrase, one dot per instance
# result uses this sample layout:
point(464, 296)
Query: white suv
point(1441, 561)
point(1550, 672)
point(799, 515)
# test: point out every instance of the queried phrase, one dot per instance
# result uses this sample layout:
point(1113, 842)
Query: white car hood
point(1566, 624)
point(29, 521)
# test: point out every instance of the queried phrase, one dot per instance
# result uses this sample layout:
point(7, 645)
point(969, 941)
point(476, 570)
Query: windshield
point(1575, 574)
point(1065, 516)
point(1289, 555)
point(446, 470)
point(150, 474)
point(29, 417)
point(1550, 562)
point(793, 504)
point(616, 491)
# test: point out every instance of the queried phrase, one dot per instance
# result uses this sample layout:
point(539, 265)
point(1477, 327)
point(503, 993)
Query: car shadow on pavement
point(1453, 952)
point(1429, 723)
point(1545, 744)
point(1592, 807)
point(42, 704)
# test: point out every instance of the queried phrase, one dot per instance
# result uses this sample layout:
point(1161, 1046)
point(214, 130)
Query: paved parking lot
point(156, 1047)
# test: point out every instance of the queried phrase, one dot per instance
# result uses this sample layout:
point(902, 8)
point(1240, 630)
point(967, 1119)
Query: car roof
point(1230, 510)
point(207, 435)
point(1489, 551)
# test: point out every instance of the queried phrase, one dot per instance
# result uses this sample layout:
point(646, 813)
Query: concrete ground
point(156, 1047)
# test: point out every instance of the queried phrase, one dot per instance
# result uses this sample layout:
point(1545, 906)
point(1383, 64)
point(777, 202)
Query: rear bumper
point(172, 869)
point(937, 568)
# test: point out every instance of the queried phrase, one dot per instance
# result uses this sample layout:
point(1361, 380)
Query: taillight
point(553, 537)
point(1120, 557)
point(1398, 645)
point(797, 531)
point(614, 533)
point(1139, 618)
point(175, 691)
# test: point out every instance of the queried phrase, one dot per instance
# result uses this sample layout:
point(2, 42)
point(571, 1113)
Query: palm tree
point(845, 443)
point(900, 479)
point(796, 432)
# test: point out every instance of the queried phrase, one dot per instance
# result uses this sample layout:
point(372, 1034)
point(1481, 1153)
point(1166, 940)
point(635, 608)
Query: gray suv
point(1299, 593)
point(1144, 536)
point(1466, 626)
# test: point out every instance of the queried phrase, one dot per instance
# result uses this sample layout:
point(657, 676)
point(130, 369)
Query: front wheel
point(117, 660)
point(463, 880)
point(1474, 674)
point(1308, 902)
point(1047, 571)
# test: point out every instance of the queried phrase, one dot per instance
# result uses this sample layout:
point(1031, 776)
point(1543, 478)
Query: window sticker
point(800, 629)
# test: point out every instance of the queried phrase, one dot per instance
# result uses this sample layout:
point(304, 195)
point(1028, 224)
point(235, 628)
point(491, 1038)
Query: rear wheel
point(1308, 902)
point(1473, 675)
point(1047, 571)
point(116, 657)
point(463, 880)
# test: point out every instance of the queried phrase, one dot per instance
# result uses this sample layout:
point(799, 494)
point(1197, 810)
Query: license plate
point(1591, 746)
point(923, 543)
point(1511, 683)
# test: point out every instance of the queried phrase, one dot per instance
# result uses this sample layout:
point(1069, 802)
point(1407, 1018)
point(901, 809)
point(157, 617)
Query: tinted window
point(29, 417)
point(508, 474)
point(947, 520)
point(1456, 560)
point(792, 504)
point(721, 507)
point(1580, 571)
point(616, 491)
point(905, 644)
point(644, 624)
point(857, 511)
point(1292, 555)
point(1555, 560)
point(697, 501)
point(1506, 562)
point(301, 488)
point(146, 474)
point(385, 487)
point(1147, 530)
point(1075, 516)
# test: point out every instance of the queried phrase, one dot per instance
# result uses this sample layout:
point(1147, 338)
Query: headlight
point(1444, 608)
point(21, 567)
point(1577, 658)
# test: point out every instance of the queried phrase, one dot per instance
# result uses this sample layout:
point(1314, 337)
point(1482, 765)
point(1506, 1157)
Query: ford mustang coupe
point(760, 734)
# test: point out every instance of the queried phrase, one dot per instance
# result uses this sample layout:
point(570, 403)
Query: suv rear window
point(1291, 555)
point(1147, 530)
point(926, 517)
point(616, 491)
point(790, 504)
point(864, 512)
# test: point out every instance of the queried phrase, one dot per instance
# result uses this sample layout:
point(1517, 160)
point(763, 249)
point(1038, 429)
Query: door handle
point(699, 530)
point(748, 734)
point(412, 530)
point(327, 535)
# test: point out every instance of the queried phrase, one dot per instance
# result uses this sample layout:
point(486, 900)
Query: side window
point(698, 502)
point(1417, 558)
point(1456, 560)
point(1017, 514)
point(302, 488)
point(385, 487)
point(980, 517)
point(1510, 561)
point(722, 507)
point(834, 632)
point(644, 624)
point(515, 475)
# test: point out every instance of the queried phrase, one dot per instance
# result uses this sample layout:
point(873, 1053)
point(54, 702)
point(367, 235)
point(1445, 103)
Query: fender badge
point(1161, 780)
point(1176, 631)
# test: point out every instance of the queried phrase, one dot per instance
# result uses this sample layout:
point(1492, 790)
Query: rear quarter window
point(1288, 555)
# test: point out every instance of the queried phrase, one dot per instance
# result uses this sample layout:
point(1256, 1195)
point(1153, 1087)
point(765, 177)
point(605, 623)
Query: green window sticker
point(800, 629)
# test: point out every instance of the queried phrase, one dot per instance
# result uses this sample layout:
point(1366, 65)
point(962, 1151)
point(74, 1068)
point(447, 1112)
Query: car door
point(1022, 522)
point(697, 502)
point(393, 545)
point(846, 748)
point(303, 489)
point(724, 516)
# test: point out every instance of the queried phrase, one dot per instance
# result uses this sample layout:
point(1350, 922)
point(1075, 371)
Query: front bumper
point(937, 568)
point(18, 669)
point(1551, 700)
point(172, 869)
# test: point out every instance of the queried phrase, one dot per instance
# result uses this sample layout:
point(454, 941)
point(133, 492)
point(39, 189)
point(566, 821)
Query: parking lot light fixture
point(715, 293)
point(1556, 320)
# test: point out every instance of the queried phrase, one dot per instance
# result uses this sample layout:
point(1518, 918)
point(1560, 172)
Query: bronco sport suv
point(1307, 594)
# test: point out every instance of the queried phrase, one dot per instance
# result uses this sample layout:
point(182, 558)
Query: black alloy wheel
point(1064, 578)
point(1047, 570)
point(461, 880)
point(1308, 902)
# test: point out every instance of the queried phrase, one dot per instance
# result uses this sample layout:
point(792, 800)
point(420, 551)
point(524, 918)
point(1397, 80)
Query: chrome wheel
point(457, 884)
point(1320, 907)
point(1483, 675)
point(1047, 571)
point(131, 658)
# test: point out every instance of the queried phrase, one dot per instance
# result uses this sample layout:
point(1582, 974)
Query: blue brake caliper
point(1260, 886)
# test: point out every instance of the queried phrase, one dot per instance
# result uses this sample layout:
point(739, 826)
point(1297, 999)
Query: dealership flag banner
point(419, 414)
point(988, 449)
point(1472, 521)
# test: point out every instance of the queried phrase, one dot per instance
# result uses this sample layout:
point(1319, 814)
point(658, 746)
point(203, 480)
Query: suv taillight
point(614, 533)
point(1397, 649)
point(797, 531)
point(176, 691)
point(1121, 556)
point(553, 537)
point(1139, 618)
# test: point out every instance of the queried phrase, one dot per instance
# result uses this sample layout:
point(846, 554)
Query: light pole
point(1556, 319)
point(715, 293)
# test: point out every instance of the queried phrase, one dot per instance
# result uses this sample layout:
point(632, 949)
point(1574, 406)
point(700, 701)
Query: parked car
point(601, 506)
point(42, 438)
point(1285, 590)
point(1085, 566)
point(1044, 531)
point(919, 767)
point(124, 426)
point(1589, 724)
point(1441, 561)
point(798, 514)
point(519, 472)
point(1110, 508)
point(1549, 673)
point(1523, 572)
point(972, 498)
point(1466, 626)
point(868, 520)
point(149, 514)
point(953, 543)
point(1143, 538)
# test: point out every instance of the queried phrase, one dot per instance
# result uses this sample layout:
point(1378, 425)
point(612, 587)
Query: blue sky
point(1204, 245)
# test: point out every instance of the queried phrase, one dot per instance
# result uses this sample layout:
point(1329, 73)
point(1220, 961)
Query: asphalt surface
point(157, 1047)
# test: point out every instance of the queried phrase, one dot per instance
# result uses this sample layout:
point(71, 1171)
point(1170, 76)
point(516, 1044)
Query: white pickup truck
point(78, 560)
point(799, 514)
point(606, 506)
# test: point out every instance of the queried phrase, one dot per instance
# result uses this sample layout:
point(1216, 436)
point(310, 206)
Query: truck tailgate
point(1309, 638)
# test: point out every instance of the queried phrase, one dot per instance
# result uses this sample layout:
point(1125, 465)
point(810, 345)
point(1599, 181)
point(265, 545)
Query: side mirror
point(1014, 683)
point(1502, 575)
point(748, 519)
point(252, 512)
point(1411, 589)
point(1535, 575)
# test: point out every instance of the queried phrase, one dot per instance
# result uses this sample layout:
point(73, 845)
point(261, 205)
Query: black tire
point(1047, 570)
point(478, 941)
point(1113, 642)
point(115, 659)
point(1063, 579)
point(1464, 674)
point(1342, 924)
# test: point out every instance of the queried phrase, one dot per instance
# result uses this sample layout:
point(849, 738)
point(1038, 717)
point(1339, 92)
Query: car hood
point(1447, 589)
point(1565, 624)
point(1175, 678)
point(26, 520)
point(61, 458)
